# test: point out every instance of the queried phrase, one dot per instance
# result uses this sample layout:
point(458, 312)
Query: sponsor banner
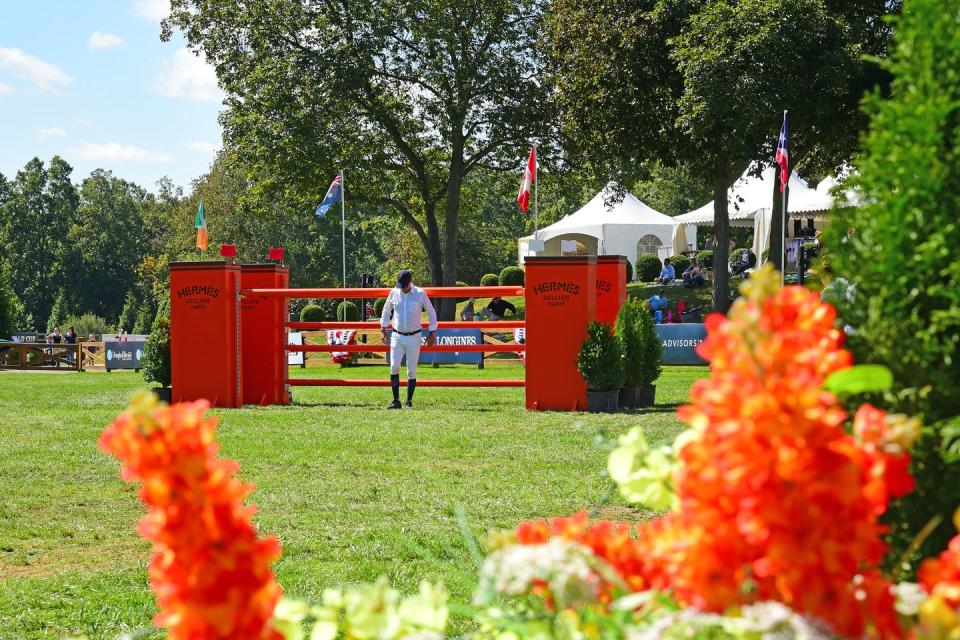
point(28, 337)
point(122, 355)
point(680, 342)
point(123, 337)
point(295, 357)
point(452, 337)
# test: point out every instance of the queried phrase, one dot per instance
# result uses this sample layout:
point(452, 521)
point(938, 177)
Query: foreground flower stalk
point(210, 571)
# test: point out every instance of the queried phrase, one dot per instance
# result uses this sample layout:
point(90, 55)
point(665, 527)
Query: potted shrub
point(156, 358)
point(600, 362)
point(650, 361)
point(628, 332)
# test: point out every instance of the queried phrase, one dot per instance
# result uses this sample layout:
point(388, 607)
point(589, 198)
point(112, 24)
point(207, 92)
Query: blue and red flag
point(334, 193)
point(783, 155)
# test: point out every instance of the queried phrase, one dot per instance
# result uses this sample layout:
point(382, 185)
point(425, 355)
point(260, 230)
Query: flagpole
point(343, 225)
point(536, 199)
point(783, 213)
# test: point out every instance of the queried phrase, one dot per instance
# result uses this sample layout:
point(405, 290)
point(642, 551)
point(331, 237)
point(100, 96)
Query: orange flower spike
point(209, 571)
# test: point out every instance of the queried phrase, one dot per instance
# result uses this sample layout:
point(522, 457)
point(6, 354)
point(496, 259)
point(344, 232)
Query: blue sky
point(90, 81)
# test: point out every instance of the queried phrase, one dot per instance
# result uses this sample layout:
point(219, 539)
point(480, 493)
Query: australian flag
point(334, 193)
point(783, 154)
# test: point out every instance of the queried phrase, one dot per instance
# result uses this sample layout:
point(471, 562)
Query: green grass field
point(352, 491)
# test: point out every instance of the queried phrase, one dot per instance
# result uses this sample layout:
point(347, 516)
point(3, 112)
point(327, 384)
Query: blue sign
point(680, 342)
point(452, 337)
point(123, 355)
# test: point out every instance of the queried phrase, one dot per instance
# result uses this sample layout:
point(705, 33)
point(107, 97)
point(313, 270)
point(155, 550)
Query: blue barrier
point(680, 342)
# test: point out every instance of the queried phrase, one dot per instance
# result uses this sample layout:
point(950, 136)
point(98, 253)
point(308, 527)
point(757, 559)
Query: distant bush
point(128, 315)
point(648, 267)
point(511, 277)
point(378, 306)
point(705, 257)
point(144, 320)
point(764, 255)
point(489, 280)
point(87, 325)
point(680, 264)
point(58, 313)
point(629, 272)
point(156, 353)
point(460, 283)
point(312, 313)
point(347, 311)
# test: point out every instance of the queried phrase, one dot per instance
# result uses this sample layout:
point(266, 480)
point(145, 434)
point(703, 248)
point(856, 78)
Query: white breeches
point(404, 346)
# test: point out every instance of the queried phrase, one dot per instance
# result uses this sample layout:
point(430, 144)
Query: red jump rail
point(382, 348)
point(433, 292)
point(375, 326)
point(332, 382)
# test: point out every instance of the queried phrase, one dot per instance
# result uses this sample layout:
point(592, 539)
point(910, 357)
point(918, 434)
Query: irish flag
point(201, 224)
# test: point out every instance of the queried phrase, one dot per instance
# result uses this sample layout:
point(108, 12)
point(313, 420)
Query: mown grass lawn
point(352, 491)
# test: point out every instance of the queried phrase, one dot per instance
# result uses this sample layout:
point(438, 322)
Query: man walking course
point(402, 311)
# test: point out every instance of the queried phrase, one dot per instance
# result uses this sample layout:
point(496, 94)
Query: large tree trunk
point(721, 226)
point(447, 309)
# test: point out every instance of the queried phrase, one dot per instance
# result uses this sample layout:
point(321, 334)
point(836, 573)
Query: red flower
point(209, 570)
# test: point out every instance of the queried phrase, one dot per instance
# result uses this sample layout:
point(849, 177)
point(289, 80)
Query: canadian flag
point(529, 177)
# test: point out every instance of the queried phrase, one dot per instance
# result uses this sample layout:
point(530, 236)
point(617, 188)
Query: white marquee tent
point(627, 228)
point(750, 204)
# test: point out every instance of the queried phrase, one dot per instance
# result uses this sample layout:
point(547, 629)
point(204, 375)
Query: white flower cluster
point(762, 621)
point(566, 568)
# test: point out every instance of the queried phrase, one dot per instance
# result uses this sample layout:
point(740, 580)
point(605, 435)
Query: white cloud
point(52, 132)
point(206, 148)
point(45, 75)
point(5, 88)
point(189, 76)
point(100, 40)
point(115, 151)
point(155, 10)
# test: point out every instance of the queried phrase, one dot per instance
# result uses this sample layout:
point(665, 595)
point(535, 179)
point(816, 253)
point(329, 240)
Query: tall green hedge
point(156, 353)
point(902, 252)
point(648, 267)
point(511, 276)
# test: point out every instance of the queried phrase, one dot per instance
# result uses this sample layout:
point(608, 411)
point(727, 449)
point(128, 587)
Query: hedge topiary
point(378, 306)
point(600, 360)
point(680, 264)
point(156, 353)
point(902, 253)
point(627, 333)
point(347, 311)
point(629, 272)
point(705, 257)
point(648, 267)
point(511, 277)
point(651, 349)
point(312, 313)
point(489, 280)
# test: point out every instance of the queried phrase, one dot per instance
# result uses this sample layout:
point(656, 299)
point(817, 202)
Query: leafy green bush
point(626, 332)
point(87, 326)
point(705, 257)
point(648, 267)
point(511, 276)
point(347, 311)
point(461, 284)
point(600, 360)
point(651, 349)
point(128, 315)
point(902, 252)
point(378, 306)
point(312, 313)
point(11, 309)
point(680, 264)
point(629, 272)
point(764, 255)
point(736, 256)
point(156, 353)
point(144, 320)
point(489, 280)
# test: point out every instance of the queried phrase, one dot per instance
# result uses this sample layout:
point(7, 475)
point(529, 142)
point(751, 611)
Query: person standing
point(402, 310)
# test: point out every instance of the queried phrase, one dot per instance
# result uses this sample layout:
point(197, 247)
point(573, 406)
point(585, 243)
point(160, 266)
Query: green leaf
point(864, 378)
